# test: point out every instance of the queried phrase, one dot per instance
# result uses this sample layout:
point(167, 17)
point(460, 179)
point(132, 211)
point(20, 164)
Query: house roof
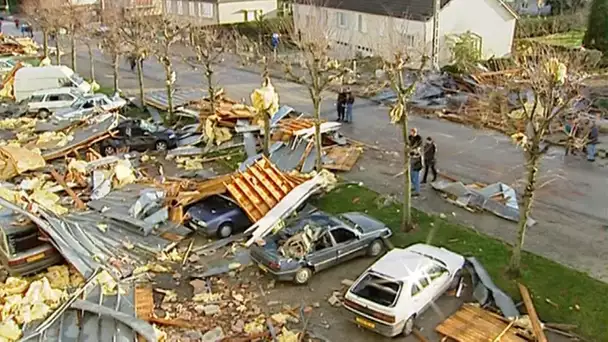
point(418, 10)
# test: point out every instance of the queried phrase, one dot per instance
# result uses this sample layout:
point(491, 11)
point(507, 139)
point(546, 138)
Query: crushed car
point(89, 104)
point(396, 289)
point(217, 215)
point(139, 135)
point(319, 241)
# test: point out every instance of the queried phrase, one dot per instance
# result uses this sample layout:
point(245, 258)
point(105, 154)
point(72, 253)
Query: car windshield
point(351, 223)
point(79, 103)
point(77, 79)
point(378, 290)
point(146, 126)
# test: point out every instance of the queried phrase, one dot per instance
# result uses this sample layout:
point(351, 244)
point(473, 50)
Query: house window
point(168, 6)
point(180, 7)
point(361, 24)
point(191, 8)
point(341, 19)
point(325, 17)
point(409, 39)
point(250, 15)
point(205, 10)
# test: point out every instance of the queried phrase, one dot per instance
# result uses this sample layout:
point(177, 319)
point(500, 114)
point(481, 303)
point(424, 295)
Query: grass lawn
point(557, 290)
point(570, 39)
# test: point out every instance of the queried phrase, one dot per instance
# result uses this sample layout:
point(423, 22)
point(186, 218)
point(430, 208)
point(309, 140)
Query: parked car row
point(70, 103)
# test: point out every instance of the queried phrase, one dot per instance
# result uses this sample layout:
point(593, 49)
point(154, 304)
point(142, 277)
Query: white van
point(29, 80)
point(47, 101)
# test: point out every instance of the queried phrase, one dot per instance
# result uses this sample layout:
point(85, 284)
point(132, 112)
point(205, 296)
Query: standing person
point(132, 62)
point(341, 105)
point(350, 100)
point(415, 167)
point(593, 139)
point(430, 150)
point(17, 23)
point(415, 139)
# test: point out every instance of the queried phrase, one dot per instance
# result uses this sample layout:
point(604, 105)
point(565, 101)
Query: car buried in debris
point(217, 215)
point(139, 135)
point(389, 296)
point(89, 104)
point(318, 241)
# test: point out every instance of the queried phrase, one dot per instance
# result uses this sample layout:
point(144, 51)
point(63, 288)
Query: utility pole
point(435, 47)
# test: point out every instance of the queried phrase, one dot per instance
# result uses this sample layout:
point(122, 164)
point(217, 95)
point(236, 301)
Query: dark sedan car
point(319, 241)
point(139, 135)
point(218, 215)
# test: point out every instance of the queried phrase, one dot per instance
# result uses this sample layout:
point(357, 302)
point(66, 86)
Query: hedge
point(527, 27)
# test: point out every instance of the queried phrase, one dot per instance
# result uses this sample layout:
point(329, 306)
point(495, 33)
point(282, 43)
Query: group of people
point(422, 156)
point(346, 99)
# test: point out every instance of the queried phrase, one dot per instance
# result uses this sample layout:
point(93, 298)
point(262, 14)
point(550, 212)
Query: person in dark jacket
point(430, 151)
point(350, 100)
point(415, 139)
point(341, 104)
point(593, 139)
point(415, 167)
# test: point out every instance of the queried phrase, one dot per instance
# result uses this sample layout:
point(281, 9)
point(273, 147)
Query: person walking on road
point(415, 139)
point(415, 167)
point(593, 139)
point(430, 150)
point(350, 100)
point(341, 104)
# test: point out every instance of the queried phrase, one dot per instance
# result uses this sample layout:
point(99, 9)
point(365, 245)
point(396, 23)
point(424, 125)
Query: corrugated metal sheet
point(181, 97)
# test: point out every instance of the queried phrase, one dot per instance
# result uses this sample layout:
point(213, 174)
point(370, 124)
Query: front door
point(323, 253)
point(348, 245)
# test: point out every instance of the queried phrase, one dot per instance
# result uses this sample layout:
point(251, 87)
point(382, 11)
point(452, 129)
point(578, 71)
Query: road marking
point(445, 135)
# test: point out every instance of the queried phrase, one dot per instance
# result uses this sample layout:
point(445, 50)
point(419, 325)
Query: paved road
point(570, 208)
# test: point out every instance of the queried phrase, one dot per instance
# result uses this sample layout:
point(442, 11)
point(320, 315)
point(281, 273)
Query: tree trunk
point(91, 63)
point(57, 52)
point(140, 79)
point(210, 87)
point(169, 85)
point(115, 62)
point(524, 213)
point(317, 123)
point(406, 216)
point(45, 42)
point(73, 51)
point(266, 141)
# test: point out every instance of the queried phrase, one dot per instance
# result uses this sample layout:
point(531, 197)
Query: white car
point(89, 104)
point(396, 289)
point(44, 102)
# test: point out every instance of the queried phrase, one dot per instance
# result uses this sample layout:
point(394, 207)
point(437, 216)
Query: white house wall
point(486, 18)
point(366, 35)
point(235, 12)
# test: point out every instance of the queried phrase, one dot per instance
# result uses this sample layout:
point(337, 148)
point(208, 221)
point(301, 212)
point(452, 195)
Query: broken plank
point(502, 333)
point(79, 203)
point(171, 322)
point(536, 325)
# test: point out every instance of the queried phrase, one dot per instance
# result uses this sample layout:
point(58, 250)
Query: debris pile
point(14, 46)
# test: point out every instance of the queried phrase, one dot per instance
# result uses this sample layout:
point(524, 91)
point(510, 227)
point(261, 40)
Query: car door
point(347, 242)
point(324, 252)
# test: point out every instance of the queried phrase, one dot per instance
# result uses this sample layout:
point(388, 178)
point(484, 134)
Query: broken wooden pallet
point(474, 324)
point(259, 188)
point(343, 158)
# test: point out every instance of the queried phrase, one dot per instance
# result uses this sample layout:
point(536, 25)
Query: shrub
point(527, 27)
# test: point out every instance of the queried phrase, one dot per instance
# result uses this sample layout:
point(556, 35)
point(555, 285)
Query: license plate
point(35, 257)
point(365, 323)
point(263, 268)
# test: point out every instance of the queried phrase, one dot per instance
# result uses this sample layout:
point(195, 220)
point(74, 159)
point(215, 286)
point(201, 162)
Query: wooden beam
point(79, 203)
point(536, 325)
point(503, 332)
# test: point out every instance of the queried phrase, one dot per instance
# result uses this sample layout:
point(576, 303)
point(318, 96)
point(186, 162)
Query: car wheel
point(375, 248)
point(43, 114)
point(408, 328)
point(109, 150)
point(302, 276)
point(161, 146)
point(225, 230)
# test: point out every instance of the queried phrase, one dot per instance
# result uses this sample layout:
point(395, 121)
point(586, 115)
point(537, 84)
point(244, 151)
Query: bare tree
point(112, 42)
point(74, 20)
point(542, 95)
point(317, 70)
point(170, 33)
point(396, 63)
point(39, 12)
point(137, 31)
point(209, 43)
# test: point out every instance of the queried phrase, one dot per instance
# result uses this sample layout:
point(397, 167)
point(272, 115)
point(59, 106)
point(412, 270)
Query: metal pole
point(435, 46)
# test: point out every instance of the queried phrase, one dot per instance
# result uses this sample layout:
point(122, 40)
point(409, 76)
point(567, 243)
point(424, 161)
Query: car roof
point(93, 96)
point(63, 90)
point(405, 264)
